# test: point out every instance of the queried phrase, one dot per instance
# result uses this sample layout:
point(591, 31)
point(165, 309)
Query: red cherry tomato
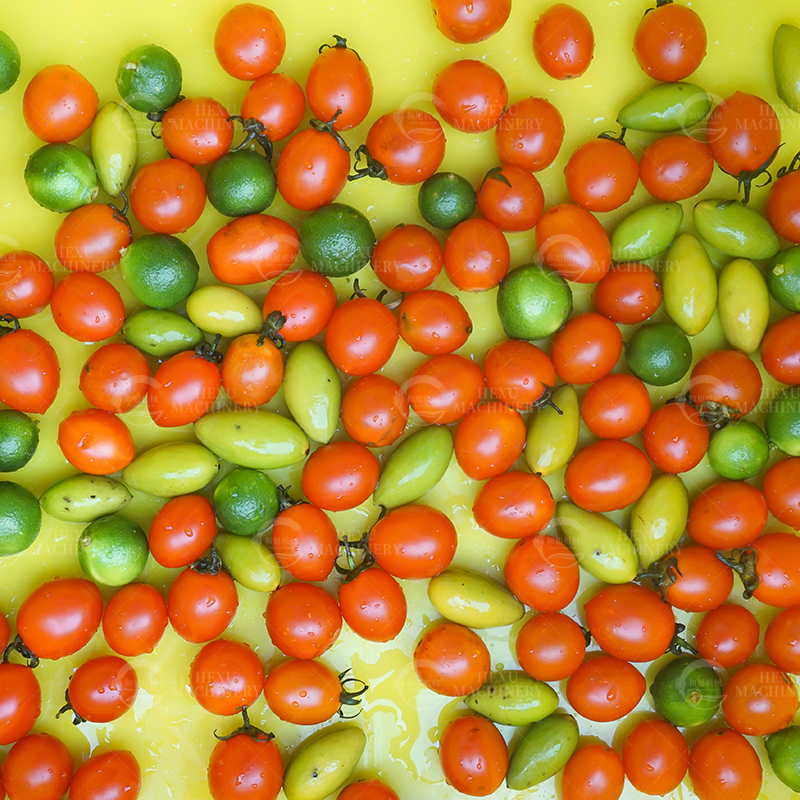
point(252, 249)
point(777, 569)
point(29, 371)
point(91, 238)
point(408, 258)
point(783, 209)
point(95, 441)
point(134, 619)
point(470, 96)
point(602, 174)
point(182, 530)
point(246, 767)
point(563, 42)
point(780, 350)
point(616, 407)
point(782, 639)
point(37, 767)
point(167, 196)
point(277, 102)
point(307, 300)
point(433, 322)
point(374, 605)
point(26, 284)
point(511, 198)
point(60, 617)
point(489, 440)
point(251, 370)
point(759, 699)
point(368, 790)
point(303, 621)
point(519, 374)
point(452, 660)
point(727, 379)
point(305, 542)
point(183, 388)
point(586, 349)
point(701, 581)
point(445, 388)
point(542, 573)
point(571, 241)
point(413, 541)
point(727, 636)
point(655, 756)
point(201, 605)
point(467, 21)
point(340, 475)
point(550, 646)
point(303, 692)
point(361, 336)
point(115, 378)
point(197, 130)
point(113, 775)
point(781, 489)
point(103, 689)
point(514, 505)
point(226, 676)
point(476, 255)
point(604, 689)
point(728, 514)
point(249, 41)
point(59, 104)
point(21, 701)
point(675, 168)
point(594, 772)
point(529, 134)
point(374, 410)
point(676, 438)
point(724, 766)
point(474, 755)
point(629, 293)
point(87, 307)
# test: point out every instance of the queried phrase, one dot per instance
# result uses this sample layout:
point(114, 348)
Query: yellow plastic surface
point(168, 732)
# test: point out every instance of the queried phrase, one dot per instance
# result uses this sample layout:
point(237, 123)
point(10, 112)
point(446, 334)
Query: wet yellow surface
point(167, 731)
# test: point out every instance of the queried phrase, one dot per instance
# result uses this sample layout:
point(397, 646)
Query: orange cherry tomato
point(249, 41)
point(445, 388)
point(307, 300)
point(277, 102)
point(38, 767)
point(361, 336)
point(605, 688)
point(470, 21)
point(91, 238)
point(252, 249)
point(670, 42)
point(96, 442)
point(167, 196)
point(433, 322)
point(550, 646)
point(514, 505)
point(724, 766)
point(774, 559)
point(251, 370)
point(134, 620)
point(511, 198)
point(303, 692)
point(26, 284)
point(474, 755)
point(571, 241)
point(470, 96)
point(305, 542)
point(22, 702)
point(247, 761)
point(489, 440)
point(594, 772)
point(115, 378)
point(184, 388)
point(374, 411)
point(340, 475)
point(728, 635)
point(408, 258)
point(519, 374)
point(413, 541)
point(727, 515)
point(675, 168)
point(374, 605)
point(226, 676)
point(59, 104)
point(780, 350)
point(563, 42)
point(29, 370)
point(530, 134)
point(452, 660)
point(542, 572)
point(781, 489)
point(201, 604)
point(725, 381)
point(586, 349)
point(675, 438)
point(616, 407)
point(629, 293)
point(782, 639)
point(102, 689)
point(197, 130)
point(112, 775)
point(368, 790)
point(701, 581)
point(759, 699)
point(655, 756)
point(87, 307)
point(783, 209)
point(476, 255)
point(602, 174)
point(182, 530)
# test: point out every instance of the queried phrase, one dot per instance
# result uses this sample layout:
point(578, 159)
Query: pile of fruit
point(555, 424)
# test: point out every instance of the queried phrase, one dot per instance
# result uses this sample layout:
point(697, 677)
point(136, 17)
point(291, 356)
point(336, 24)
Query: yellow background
point(169, 734)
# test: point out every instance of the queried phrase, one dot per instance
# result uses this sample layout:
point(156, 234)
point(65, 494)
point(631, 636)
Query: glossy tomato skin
point(183, 388)
point(675, 438)
point(277, 102)
point(29, 372)
point(433, 322)
point(542, 573)
point(59, 104)
point(307, 300)
point(489, 440)
point(251, 249)
point(37, 767)
point(60, 617)
point(781, 489)
point(302, 692)
point(249, 41)
point(616, 407)
point(629, 293)
point(303, 621)
point(201, 605)
point(727, 635)
point(655, 756)
point(470, 95)
point(134, 620)
point(374, 411)
point(87, 307)
point(726, 378)
point(103, 689)
point(675, 168)
point(340, 475)
point(727, 515)
point(586, 349)
point(519, 373)
point(251, 370)
point(408, 258)
point(782, 639)
point(226, 676)
point(550, 646)
point(368, 790)
point(413, 541)
point(244, 768)
point(445, 388)
point(513, 206)
point(602, 175)
point(780, 350)
point(182, 530)
point(474, 755)
point(778, 569)
point(22, 701)
point(514, 505)
point(759, 699)
point(605, 688)
point(167, 196)
point(476, 255)
point(26, 284)
point(594, 772)
point(563, 42)
point(374, 605)
point(469, 22)
point(113, 775)
point(115, 378)
point(96, 442)
point(197, 130)
point(529, 134)
point(305, 542)
point(702, 582)
point(452, 660)
point(783, 210)
point(361, 336)
point(91, 238)
point(573, 243)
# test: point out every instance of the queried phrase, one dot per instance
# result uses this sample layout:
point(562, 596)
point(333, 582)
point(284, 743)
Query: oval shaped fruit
point(114, 149)
point(223, 310)
point(686, 692)
point(553, 437)
point(510, 697)
point(786, 64)
point(783, 747)
point(542, 752)
point(646, 232)
point(743, 304)
point(689, 284)
point(665, 107)
point(736, 230)
point(658, 519)
point(473, 600)
point(171, 469)
point(249, 561)
point(84, 498)
point(161, 333)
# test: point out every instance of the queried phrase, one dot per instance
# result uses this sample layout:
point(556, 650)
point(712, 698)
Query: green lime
point(19, 438)
point(739, 451)
point(783, 421)
point(113, 550)
point(686, 692)
point(160, 270)
point(241, 183)
point(9, 62)
point(783, 278)
point(245, 501)
point(783, 750)
point(533, 302)
point(20, 518)
point(336, 240)
point(446, 199)
point(149, 78)
point(60, 177)
point(659, 353)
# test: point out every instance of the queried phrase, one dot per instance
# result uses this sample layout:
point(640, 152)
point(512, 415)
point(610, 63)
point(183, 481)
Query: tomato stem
point(349, 573)
point(678, 644)
point(620, 139)
point(792, 166)
point(77, 719)
point(208, 565)
point(327, 127)
point(19, 647)
point(270, 330)
point(348, 697)
point(744, 562)
point(373, 169)
point(341, 44)
point(495, 174)
point(746, 177)
point(254, 132)
point(717, 415)
point(157, 116)
point(209, 352)
point(285, 500)
point(247, 729)
point(11, 319)
point(662, 575)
